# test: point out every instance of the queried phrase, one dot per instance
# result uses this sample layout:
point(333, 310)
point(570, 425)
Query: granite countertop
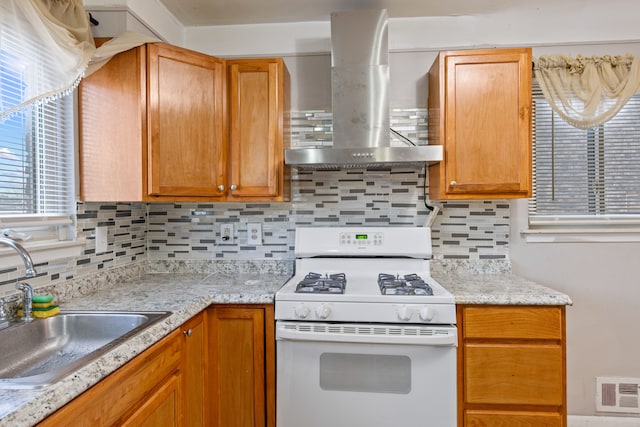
point(186, 294)
point(499, 288)
point(492, 282)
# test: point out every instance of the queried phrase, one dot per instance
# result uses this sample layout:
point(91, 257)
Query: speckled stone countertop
point(187, 287)
point(185, 295)
point(489, 282)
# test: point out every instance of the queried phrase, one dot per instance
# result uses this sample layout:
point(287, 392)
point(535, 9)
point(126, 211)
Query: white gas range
point(362, 324)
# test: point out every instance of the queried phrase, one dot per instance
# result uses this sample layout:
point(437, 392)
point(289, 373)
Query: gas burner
point(410, 284)
point(314, 283)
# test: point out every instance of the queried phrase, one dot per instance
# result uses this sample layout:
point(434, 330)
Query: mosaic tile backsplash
point(473, 230)
point(462, 230)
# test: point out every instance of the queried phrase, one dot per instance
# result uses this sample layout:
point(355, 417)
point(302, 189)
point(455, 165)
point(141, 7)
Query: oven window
point(373, 373)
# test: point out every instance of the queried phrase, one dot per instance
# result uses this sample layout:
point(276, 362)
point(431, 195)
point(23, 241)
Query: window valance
point(587, 91)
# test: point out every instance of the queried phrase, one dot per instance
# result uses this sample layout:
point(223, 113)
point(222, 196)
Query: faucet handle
point(27, 300)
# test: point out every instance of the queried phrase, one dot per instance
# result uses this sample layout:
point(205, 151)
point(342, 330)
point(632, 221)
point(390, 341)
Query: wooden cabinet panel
point(513, 374)
point(154, 126)
point(257, 91)
point(112, 122)
point(194, 371)
point(140, 385)
point(481, 106)
point(512, 419)
point(161, 409)
point(511, 366)
point(513, 322)
point(186, 149)
point(242, 374)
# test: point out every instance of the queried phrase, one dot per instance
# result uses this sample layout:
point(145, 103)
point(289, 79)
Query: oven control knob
point(323, 311)
point(404, 313)
point(301, 311)
point(426, 314)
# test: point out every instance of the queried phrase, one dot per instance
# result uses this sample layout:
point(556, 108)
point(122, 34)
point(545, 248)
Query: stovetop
point(365, 274)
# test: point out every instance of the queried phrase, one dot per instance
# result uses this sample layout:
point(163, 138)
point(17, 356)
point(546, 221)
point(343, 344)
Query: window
point(585, 178)
point(36, 159)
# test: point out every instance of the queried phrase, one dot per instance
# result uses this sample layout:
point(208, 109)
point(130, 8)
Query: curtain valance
point(587, 91)
point(46, 47)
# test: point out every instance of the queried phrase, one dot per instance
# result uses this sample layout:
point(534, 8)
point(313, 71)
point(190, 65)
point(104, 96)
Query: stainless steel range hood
point(360, 100)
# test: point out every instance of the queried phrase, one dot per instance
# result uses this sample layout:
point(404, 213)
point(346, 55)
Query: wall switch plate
point(226, 233)
point(254, 233)
point(102, 241)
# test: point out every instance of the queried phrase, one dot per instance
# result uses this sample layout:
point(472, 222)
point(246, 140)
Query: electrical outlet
point(254, 233)
point(226, 233)
point(102, 241)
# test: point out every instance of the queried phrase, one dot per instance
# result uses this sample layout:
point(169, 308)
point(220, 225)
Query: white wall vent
point(618, 394)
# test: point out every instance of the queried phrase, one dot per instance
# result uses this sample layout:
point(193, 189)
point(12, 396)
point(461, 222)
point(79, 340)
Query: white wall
point(602, 279)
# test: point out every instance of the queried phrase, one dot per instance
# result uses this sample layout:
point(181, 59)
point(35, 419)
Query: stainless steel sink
point(37, 354)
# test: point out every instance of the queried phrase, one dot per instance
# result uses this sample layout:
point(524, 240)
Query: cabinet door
point(256, 107)
point(237, 345)
point(186, 154)
point(486, 113)
point(143, 386)
point(162, 407)
point(195, 371)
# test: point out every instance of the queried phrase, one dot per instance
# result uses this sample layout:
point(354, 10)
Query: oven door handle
point(366, 335)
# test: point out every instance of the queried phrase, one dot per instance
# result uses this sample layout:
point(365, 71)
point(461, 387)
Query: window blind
point(585, 173)
point(36, 163)
point(36, 142)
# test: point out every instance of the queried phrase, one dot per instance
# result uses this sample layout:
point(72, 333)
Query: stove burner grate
point(315, 283)
point(410, 284)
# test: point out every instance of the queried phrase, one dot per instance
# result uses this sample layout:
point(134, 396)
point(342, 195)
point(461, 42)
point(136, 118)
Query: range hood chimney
point(360, 100)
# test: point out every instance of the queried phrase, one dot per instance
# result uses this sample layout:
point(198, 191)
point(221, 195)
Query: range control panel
point(412, 242)
point(361, 238)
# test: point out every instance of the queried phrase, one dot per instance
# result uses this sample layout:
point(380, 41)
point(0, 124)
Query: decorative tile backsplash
point(463, 230)
point(466, 230)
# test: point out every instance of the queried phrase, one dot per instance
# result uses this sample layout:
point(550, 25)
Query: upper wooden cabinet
point(258, 95)
point(480, 111)
point(186, 143)
point(154, 126)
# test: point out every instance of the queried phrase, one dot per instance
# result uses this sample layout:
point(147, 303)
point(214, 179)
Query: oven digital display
point(362, 236)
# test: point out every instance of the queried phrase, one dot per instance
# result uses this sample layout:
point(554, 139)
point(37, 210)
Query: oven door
point(345, 375)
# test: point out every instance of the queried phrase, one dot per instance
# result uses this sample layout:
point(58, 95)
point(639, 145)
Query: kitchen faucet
point(27, 290)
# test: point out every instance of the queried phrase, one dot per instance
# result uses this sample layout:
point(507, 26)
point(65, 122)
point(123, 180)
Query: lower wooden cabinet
point(194, 371)
point(512, 367)
point(218, 369)
point(513, 419)
point(242, 365)
point(145, 392)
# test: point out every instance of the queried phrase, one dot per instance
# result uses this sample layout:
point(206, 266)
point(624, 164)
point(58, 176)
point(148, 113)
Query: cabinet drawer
point(513, 374)
point(513, 322)
point(512, 419)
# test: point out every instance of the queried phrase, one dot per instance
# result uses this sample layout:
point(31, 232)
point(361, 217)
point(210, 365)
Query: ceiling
point(194, 13)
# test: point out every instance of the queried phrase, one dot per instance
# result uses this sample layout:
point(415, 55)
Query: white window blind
point(585, 176)
point(36, 148)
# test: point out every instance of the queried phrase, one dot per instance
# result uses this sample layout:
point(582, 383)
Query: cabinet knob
point(187, 333)
point(220, 187)
point(453, 183)
point(233, 187)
